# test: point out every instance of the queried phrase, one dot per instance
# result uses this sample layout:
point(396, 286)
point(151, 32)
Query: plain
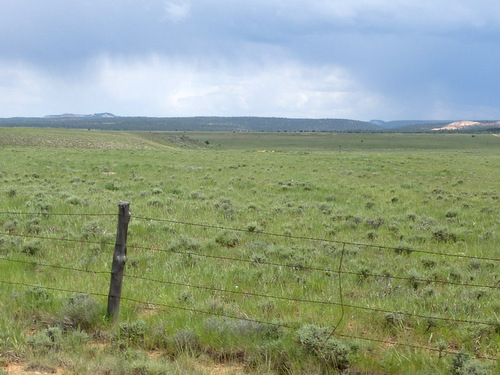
point(275, 253)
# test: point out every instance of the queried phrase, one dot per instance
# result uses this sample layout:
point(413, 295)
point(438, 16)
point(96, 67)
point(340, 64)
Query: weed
point(187, 340)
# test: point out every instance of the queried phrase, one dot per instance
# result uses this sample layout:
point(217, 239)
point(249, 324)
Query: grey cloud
point(417, 55)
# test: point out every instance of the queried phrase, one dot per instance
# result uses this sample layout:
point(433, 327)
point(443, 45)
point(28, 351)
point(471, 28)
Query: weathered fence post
point(119, 259)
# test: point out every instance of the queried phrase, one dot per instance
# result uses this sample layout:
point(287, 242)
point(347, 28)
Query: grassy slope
point(419, 192)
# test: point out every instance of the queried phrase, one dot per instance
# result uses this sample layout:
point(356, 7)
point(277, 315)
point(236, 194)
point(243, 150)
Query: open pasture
point(362, 253)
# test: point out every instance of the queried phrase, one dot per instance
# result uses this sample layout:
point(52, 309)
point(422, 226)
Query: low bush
point(46, 340)
point(228, 239)
point(315, 340)
point(82, 312)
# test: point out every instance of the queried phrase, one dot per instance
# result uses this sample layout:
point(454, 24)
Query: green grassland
point(393, 239)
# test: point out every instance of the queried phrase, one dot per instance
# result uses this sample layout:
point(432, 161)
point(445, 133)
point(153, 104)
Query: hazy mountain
point(72, 115)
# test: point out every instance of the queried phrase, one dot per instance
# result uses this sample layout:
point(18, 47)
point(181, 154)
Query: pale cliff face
point(465, 124)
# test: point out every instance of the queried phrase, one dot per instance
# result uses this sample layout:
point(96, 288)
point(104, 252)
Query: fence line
point(164, 307)
point(300, 300)
point(293, 266)
point(45, 213)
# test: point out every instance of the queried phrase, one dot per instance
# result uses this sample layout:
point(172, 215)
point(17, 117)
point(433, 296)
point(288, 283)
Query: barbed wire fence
point(117, 274)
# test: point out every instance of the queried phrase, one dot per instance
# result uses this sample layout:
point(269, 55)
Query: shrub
point(111, 186)
point(228, 239)
point(133, 331)
point(395, 319)
point(403, 248)
point(315, 340)
point(414, 279)
point(443, 235)
point(462, 364)
point(184, 243)
point(37, 296)
point(74, 200)
point(254, 227)
point(81, 311)
point(428, 263)
point(375, 223)
point(32, 247)
point(155, 203)
point(46, 340)
point(11, 226)
point(157, 191)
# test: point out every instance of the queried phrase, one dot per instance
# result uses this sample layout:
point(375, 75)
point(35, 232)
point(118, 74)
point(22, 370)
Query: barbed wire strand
point(293, 266)
point(261, 295)
point(430, 348)
point(327, 270)
point(394, 248)
point(44, 213)
point(53, 266)
point(381, 247)
point(166, 306)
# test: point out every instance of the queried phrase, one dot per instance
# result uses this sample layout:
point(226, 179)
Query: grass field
point(393, 239)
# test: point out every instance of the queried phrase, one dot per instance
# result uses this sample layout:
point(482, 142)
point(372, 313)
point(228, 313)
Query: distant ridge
point(464, 125)
point(73, 115)
point(108, 121)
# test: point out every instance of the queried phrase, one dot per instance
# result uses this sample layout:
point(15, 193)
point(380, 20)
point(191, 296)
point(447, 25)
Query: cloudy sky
point(359, 59)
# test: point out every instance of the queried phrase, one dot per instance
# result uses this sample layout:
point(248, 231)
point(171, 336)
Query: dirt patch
point(25, 369)
point(221, 369)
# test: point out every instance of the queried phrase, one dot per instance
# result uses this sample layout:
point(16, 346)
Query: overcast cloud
point(362, 59)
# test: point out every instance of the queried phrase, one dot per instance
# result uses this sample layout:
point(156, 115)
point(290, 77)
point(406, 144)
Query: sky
point(356, 59)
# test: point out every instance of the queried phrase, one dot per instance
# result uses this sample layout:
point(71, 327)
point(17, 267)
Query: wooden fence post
point(119, 259)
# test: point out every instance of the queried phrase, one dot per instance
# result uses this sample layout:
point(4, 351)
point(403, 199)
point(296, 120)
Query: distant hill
point(72, 115)
point(107, 121)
